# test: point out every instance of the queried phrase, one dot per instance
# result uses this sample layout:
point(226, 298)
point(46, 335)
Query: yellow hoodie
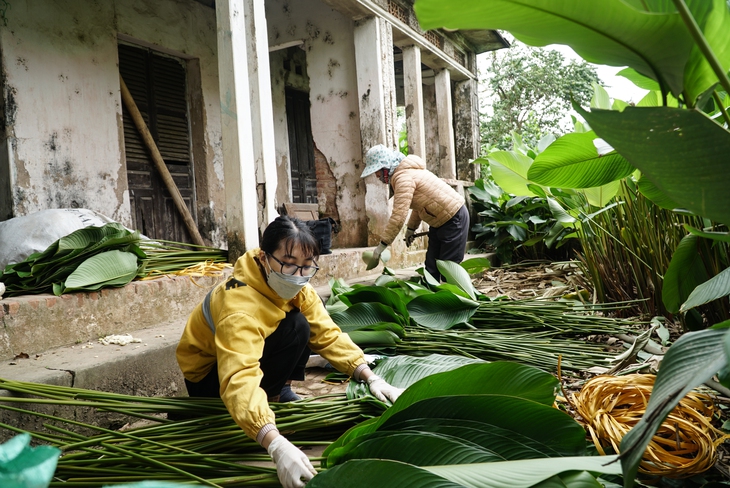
point(245, 311)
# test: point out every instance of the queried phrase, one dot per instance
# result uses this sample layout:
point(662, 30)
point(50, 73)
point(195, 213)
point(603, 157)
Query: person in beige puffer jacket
point(431, 200)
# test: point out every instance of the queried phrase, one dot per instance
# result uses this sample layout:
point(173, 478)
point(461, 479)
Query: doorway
point(301, 147)
point(157, 83)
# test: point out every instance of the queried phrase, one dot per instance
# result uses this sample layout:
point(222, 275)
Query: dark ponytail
point(291, 232)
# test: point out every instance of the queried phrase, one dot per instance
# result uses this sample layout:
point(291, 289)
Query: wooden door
point(158, 86)
point(301, 147)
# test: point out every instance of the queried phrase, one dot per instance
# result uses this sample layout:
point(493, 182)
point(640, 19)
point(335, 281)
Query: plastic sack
point(22, 236)
point(22, 466)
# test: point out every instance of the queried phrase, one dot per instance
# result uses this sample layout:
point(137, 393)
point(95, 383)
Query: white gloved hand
point(291, 464)
point(382, 390)
point(378, 251)
point(409, 236)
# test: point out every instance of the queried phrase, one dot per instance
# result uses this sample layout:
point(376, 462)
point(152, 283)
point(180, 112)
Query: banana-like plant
point(490, 425)
point(683, 46)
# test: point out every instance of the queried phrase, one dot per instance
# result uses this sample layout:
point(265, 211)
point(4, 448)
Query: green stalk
point(721, 107)
point(702, 43)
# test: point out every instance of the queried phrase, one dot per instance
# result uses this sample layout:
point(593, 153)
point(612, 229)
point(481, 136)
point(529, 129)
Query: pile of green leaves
point(481, 425)
point(96, 257)
point(399, 317)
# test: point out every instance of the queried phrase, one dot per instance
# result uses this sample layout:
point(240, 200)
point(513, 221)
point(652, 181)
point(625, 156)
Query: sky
point(616, 86)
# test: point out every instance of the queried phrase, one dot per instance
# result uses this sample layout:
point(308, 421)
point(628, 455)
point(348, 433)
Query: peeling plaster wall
point(62, 138)
point(330, 51)
point(59, 58)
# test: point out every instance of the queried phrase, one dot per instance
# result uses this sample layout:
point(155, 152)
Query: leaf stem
point(721, 107)
point(702, 43)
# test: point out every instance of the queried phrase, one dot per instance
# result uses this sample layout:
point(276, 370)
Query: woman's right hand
point(292, 465)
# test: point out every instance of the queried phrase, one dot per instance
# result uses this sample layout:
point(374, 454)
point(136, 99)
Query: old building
point(251, 103)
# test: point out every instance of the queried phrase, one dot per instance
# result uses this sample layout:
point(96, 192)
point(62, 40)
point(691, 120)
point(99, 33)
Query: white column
point(466, 124)
point(376, 92)
point(239, 164)
point(413, 92)
point(375, 82)
point(447, 160)
point(262, 112)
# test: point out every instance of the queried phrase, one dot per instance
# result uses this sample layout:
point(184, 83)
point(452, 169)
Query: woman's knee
point(297, 325)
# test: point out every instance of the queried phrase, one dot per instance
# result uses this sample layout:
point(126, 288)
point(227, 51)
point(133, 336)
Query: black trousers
point(448, 242)
point(284, 358)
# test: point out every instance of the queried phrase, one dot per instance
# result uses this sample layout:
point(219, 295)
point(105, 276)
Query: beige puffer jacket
point(431, 198)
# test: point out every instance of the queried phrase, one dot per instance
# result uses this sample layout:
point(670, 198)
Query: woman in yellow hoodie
point(253, 334)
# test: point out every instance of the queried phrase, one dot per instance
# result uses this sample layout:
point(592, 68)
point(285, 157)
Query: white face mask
point(286, 286)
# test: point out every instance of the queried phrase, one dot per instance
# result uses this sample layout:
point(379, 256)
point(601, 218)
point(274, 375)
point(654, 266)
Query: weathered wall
point(328, 42)
point(65, 144)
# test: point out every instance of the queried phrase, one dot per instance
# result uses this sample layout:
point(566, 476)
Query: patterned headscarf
point(379, 157)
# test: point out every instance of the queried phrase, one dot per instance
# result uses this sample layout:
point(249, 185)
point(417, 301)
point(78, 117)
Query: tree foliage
point(529, 90)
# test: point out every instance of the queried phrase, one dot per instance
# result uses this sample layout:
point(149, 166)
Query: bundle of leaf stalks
point(556, 318)
point(542, 350)
point(96, 257)
point(208, 448)
point(415, 318)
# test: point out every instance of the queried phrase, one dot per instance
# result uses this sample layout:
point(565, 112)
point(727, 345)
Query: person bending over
point(431, 200)
point(252, 335)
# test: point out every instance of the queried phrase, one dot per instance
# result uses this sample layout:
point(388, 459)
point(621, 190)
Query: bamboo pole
point(160, 163)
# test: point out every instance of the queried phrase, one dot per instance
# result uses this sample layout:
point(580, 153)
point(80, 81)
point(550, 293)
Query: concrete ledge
point(348, 264)
point(36, 323)
point(147, 368)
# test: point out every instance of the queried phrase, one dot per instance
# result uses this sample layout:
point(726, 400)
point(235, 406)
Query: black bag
point(322, 230)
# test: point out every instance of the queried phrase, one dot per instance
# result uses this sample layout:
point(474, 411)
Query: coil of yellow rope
point(684, 445)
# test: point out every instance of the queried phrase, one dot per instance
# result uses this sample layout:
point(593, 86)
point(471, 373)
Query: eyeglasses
point(292, 269)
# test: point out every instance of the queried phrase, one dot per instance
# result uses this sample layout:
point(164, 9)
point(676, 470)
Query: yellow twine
point(685, 443)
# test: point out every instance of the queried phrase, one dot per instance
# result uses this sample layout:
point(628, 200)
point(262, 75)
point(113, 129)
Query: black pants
point(448, 242)
point(284, 358)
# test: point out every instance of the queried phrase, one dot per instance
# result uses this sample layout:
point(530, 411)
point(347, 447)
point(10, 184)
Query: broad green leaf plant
point(684, 47)
point(481, 425)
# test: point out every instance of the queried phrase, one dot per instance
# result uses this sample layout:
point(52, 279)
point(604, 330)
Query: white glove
point(291, 464)
point(409, 236)
point(378, 251)
point(382, 390)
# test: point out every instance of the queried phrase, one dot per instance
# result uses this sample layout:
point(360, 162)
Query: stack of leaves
point(683, 446)
point(207, 448)
point(408, 318)
point(96, 257)
point(480, 425)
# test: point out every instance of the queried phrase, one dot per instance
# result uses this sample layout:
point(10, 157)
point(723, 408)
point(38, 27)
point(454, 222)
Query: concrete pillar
point(239, 163)
point(413, 91)
point(447, 161)
point(466, 122)
point(431, 124)
point(376, 94)
point(262, 117)
point(375, 82)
